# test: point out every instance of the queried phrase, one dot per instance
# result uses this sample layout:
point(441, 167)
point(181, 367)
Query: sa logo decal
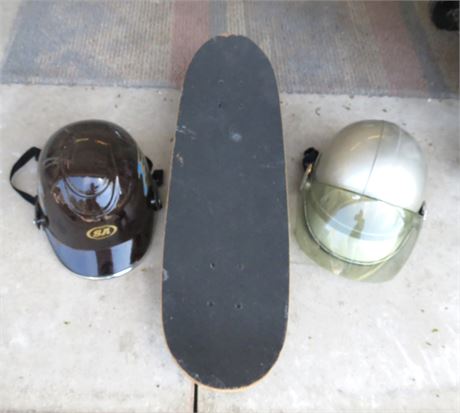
point(102, 232)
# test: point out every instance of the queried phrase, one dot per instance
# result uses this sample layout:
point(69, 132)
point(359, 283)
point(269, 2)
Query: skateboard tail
point(224, 379)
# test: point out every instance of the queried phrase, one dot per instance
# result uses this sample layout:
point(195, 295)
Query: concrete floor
point(71, 345)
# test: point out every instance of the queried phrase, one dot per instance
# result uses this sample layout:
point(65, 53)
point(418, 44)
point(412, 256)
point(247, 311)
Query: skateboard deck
point(226, 257)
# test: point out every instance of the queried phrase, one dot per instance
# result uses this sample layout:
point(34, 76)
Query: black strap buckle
point(309, 159)
point(40, 220)
point(157, 176)
point(422, 211)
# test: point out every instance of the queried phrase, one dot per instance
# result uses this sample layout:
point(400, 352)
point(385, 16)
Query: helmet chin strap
point(32, 152)
point(40, 219)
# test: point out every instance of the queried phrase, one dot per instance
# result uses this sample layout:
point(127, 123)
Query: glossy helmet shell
point(377, 159)
point(95, 191)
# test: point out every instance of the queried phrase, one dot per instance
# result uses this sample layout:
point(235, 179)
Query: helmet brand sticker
point(102, 232)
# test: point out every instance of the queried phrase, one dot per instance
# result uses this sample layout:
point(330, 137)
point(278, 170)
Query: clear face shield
point(353, 235)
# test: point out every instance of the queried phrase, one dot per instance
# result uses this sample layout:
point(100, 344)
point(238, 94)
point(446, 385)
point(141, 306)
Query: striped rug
point(367, 48)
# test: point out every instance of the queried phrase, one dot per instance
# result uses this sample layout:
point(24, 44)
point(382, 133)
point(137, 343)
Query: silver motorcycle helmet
point(362, 201)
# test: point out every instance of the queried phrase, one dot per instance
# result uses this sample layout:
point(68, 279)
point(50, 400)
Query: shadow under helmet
point(362, 201)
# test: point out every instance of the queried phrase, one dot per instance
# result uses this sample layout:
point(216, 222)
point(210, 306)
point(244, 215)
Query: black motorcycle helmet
point(96, 197)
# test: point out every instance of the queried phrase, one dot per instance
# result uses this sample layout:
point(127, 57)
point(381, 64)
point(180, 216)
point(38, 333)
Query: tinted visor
point(104, 263)
point(354, 235)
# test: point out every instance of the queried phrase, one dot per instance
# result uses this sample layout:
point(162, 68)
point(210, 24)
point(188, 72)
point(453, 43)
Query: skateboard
point(226, 258)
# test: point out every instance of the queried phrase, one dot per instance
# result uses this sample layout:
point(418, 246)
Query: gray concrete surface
point(70, 345)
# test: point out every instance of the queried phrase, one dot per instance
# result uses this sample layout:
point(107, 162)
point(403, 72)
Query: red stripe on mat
point(190, 29)
point(401, 63)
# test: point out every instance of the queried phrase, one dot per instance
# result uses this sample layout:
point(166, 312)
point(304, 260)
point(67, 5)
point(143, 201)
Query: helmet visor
point(354, 235)
point(107, 262)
